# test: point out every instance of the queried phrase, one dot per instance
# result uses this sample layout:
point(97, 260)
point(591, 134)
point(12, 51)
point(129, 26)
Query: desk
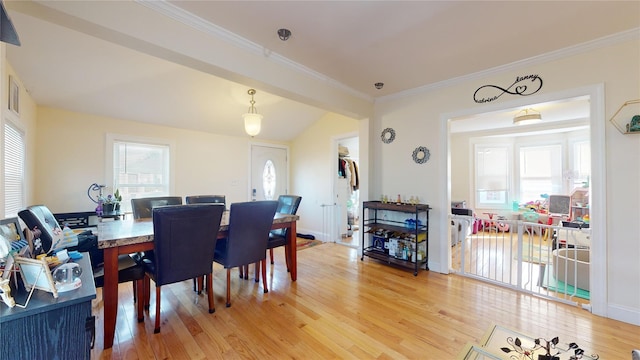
point(130, 236)
point(50, 328)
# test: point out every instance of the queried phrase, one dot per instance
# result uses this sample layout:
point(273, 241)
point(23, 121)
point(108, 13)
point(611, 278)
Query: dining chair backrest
point(249, 225)
point(206, 199)
point(287, 204)
point(142, 207)
point(184, 240)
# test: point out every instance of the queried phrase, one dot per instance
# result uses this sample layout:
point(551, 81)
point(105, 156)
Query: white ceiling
point(189, 64)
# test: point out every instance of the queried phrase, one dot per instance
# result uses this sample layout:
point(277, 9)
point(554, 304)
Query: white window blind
point(14, 157)
point(540, 171)
point(492, 175)
point(140, 170)
point(581, 163)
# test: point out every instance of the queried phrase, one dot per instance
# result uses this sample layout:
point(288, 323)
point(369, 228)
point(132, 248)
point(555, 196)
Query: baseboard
point(318, 235)
point(624, 313)
point(436, 267)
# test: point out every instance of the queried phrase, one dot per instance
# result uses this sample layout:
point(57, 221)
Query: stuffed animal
point(5, 293)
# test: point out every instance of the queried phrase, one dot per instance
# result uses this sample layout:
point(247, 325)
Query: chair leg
point(271, 255)
point(139, 286)
point(228, 287)
point(135, 290)
point(246, 272)
point(157, 328)
point(287, 256)
point(241, 271)
point(212, 305)
point(263, 264)
point(146, 291)
point(257, 265)
point(199, 284)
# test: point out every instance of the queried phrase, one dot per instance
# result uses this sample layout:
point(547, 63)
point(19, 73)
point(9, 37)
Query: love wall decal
point(523, 86)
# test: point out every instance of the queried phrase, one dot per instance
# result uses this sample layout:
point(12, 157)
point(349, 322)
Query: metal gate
point(550, 261)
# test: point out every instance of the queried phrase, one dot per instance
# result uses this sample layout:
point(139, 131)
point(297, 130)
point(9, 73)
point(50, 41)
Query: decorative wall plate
point(421, 155)
point(388, 135)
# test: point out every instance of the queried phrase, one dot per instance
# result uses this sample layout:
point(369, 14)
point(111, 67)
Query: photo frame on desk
point(35, 274)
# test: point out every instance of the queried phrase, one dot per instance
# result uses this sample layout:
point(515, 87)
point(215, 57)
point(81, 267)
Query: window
point(140, 170)
point(540, 171)
point(552, 168)
point(492, 175)
point(269, 180)
point(14, 158)
point(581, 153)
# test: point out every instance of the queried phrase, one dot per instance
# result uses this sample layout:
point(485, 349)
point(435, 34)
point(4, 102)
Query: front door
point(268, 172)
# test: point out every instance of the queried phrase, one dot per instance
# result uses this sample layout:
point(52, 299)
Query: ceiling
point(189, 64)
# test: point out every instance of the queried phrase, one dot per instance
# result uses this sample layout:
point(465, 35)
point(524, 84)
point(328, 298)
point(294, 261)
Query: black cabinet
point(397, 234)
point(50, 328)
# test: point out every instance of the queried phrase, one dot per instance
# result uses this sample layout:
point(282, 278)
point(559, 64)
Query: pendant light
point(252, 119)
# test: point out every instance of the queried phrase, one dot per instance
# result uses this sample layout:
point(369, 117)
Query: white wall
point(313, 160)
point(71, 157)
point(416, 120)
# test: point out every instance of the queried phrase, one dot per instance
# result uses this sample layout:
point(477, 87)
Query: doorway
point(269, 172)
point(346, 185)
point(595, 116)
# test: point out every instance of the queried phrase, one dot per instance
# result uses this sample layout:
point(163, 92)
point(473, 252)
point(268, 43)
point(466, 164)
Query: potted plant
point(110, 203)
point(118, 199)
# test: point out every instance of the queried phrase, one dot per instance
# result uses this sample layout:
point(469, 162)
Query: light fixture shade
point(252, 119)
point(527, 116)
point(252, 123)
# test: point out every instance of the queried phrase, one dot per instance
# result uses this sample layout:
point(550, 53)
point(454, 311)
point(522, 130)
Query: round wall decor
point(421, 155)
point(388, 135)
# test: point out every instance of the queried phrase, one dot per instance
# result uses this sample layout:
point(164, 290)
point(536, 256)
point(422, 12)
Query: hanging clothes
point(356, 176)
point(341, 168)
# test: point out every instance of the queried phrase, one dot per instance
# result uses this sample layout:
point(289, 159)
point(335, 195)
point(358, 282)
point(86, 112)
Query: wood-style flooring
point(344, 308)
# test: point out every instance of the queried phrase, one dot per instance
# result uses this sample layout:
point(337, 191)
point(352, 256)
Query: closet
point(347, 187)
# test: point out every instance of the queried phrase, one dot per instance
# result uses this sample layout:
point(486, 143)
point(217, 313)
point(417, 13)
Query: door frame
point(250, 162)
point(597, 121)
point(335, 140)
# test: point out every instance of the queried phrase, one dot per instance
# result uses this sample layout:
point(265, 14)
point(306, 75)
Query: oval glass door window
point(269, 180)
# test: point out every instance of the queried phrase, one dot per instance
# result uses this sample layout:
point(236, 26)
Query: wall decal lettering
point(523, 86)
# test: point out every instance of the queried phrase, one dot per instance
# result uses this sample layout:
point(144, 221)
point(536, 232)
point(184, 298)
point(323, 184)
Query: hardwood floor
point(344, 308)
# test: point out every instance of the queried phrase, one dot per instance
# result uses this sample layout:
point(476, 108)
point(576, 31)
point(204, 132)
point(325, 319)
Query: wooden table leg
point(293, 251)
point(110, 294)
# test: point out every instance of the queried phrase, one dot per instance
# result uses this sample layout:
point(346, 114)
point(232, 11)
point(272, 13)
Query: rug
point(535, 254)
point(306, 243)
point(550, 283)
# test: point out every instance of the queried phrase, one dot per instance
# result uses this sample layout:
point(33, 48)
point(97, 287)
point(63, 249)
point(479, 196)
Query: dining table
point(130, 236)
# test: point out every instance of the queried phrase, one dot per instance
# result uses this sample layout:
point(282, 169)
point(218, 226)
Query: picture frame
point(35, 274)
point(14, 96)
point(10, 230)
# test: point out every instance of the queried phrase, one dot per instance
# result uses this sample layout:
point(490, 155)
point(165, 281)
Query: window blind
point(14, 158)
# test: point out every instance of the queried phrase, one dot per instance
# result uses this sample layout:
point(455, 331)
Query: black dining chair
point(206, 199)
point(246, 242)
point(142, 207)
point(287, 204)
point(184, 241)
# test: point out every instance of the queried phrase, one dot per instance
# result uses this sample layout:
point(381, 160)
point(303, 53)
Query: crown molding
point(538, 59)
point(174, 12)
